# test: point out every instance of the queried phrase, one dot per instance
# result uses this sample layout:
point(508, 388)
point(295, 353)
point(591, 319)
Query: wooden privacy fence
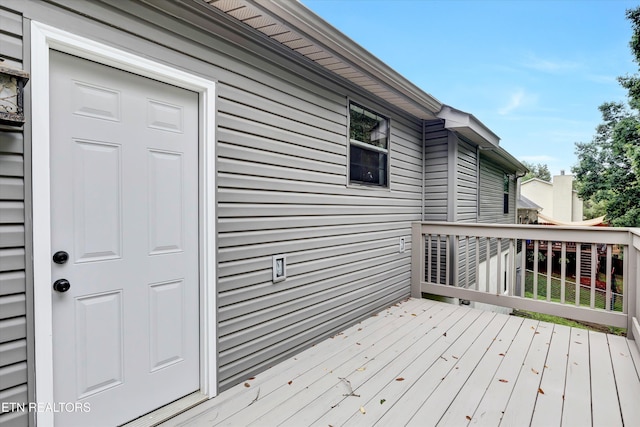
point(583, 273)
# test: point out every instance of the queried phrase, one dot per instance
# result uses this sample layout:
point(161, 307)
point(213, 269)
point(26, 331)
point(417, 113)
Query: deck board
point(494, 401)
point(522, 401)
point(432, 393)
point(624, 368)
point(576, 410)
point(422, 362)
point(386, 390)
point(603, 386)
point(548, 407)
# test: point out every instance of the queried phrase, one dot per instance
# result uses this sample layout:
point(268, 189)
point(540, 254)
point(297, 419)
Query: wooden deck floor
point(426, 363)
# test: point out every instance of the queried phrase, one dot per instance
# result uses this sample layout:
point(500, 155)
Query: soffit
point(281, 22)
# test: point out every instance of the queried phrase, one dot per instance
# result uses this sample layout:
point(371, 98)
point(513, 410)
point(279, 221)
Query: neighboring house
point(222, 184)
point(558, 200)
point(527, 211)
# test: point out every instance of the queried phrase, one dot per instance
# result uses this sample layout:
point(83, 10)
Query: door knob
point(60, 257)
point(61, 285)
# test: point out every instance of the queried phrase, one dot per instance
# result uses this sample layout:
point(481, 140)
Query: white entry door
point(124, 197)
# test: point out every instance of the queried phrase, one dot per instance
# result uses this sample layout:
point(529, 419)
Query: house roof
point(524, 203)
point(293, 25)
point(470, 127)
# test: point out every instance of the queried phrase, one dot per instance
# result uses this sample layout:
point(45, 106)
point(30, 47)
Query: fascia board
point(303, 20)
point(469, 126)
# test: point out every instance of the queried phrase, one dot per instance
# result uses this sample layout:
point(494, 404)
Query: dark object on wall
point(12, 82)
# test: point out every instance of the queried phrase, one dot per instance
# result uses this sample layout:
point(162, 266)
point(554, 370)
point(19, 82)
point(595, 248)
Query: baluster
point(549, 267)
point(523, 268)
point(578, 272)
point(536, 254)
point(594, 263)
point(429, 257)
point(563, 271)
point(607, 294)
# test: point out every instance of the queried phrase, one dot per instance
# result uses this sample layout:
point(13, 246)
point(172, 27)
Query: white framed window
point(368, 147)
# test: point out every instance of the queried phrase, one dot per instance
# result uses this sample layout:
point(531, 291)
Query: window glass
point(505, 202)
point(369, 146)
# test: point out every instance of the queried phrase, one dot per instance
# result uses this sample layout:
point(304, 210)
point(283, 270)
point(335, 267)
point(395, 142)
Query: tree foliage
point(540, 171)
point(608, 168)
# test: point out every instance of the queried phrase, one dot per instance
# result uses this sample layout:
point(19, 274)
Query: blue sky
point(534, 72)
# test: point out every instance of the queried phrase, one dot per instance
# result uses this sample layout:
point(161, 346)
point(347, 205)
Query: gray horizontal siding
point(491, 194)
point(281, 184)
point(341, 242)
point(13, 300)
point(467, 183)
point(436, 171)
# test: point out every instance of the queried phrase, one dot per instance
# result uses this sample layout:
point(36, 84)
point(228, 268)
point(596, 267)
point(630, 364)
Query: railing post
point(417, 260)
point(631, 283)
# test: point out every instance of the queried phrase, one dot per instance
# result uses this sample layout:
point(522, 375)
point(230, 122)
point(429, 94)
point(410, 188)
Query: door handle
point(60, 257)
point(61, 285)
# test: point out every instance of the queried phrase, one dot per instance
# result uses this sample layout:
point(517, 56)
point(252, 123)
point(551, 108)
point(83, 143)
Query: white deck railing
point(584, 273)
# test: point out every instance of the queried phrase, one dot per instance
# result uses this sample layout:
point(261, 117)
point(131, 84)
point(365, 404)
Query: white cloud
point(549, 65)
point(517, 99)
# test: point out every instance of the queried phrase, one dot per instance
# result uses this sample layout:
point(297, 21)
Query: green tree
point(608, 168)
point(540, 171)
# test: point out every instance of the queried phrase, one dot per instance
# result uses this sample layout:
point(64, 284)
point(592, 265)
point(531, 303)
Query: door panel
point(165, 202)
point(99, 343)
point(124, 195)
point(97, 200)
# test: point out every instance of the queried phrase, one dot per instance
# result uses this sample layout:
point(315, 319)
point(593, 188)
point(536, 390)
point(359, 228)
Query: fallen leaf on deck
point(454, 357)
point(413, 314)
point(361, 369)
point(444, 335)
point(577, 342)
point(540, 391)
point(247, 385)
point(503, 380)
point(363, 410)
point(290, 382)
point(358, 343)
point(468, 417)
point(382, 401)
point(501, 354)
point(534, 371)
point(400, 379)
point(252, 378)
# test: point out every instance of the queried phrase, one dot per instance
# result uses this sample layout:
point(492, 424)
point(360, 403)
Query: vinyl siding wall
point(467, 171)
point(436, 171)
point(13, 321)
point(281, 184)
point(491, 194)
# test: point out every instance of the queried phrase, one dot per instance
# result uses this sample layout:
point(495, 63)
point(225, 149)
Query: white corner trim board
point(43, 39)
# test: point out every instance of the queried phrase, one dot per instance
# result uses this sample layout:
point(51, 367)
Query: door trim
point(44, 38)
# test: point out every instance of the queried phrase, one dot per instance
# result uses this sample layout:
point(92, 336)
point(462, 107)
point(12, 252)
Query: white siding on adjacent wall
point(13, 306)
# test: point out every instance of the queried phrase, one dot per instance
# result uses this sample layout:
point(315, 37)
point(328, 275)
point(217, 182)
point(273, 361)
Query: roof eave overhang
point(468, 126)
point(474, 130)
point(301, 30)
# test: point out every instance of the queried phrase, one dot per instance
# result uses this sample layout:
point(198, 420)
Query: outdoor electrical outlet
point(402, 245)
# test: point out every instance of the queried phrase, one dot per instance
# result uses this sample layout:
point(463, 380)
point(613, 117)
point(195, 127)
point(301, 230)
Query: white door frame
point(44, 38)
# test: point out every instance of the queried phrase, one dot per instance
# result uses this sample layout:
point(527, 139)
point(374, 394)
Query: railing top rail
point(607, 235)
